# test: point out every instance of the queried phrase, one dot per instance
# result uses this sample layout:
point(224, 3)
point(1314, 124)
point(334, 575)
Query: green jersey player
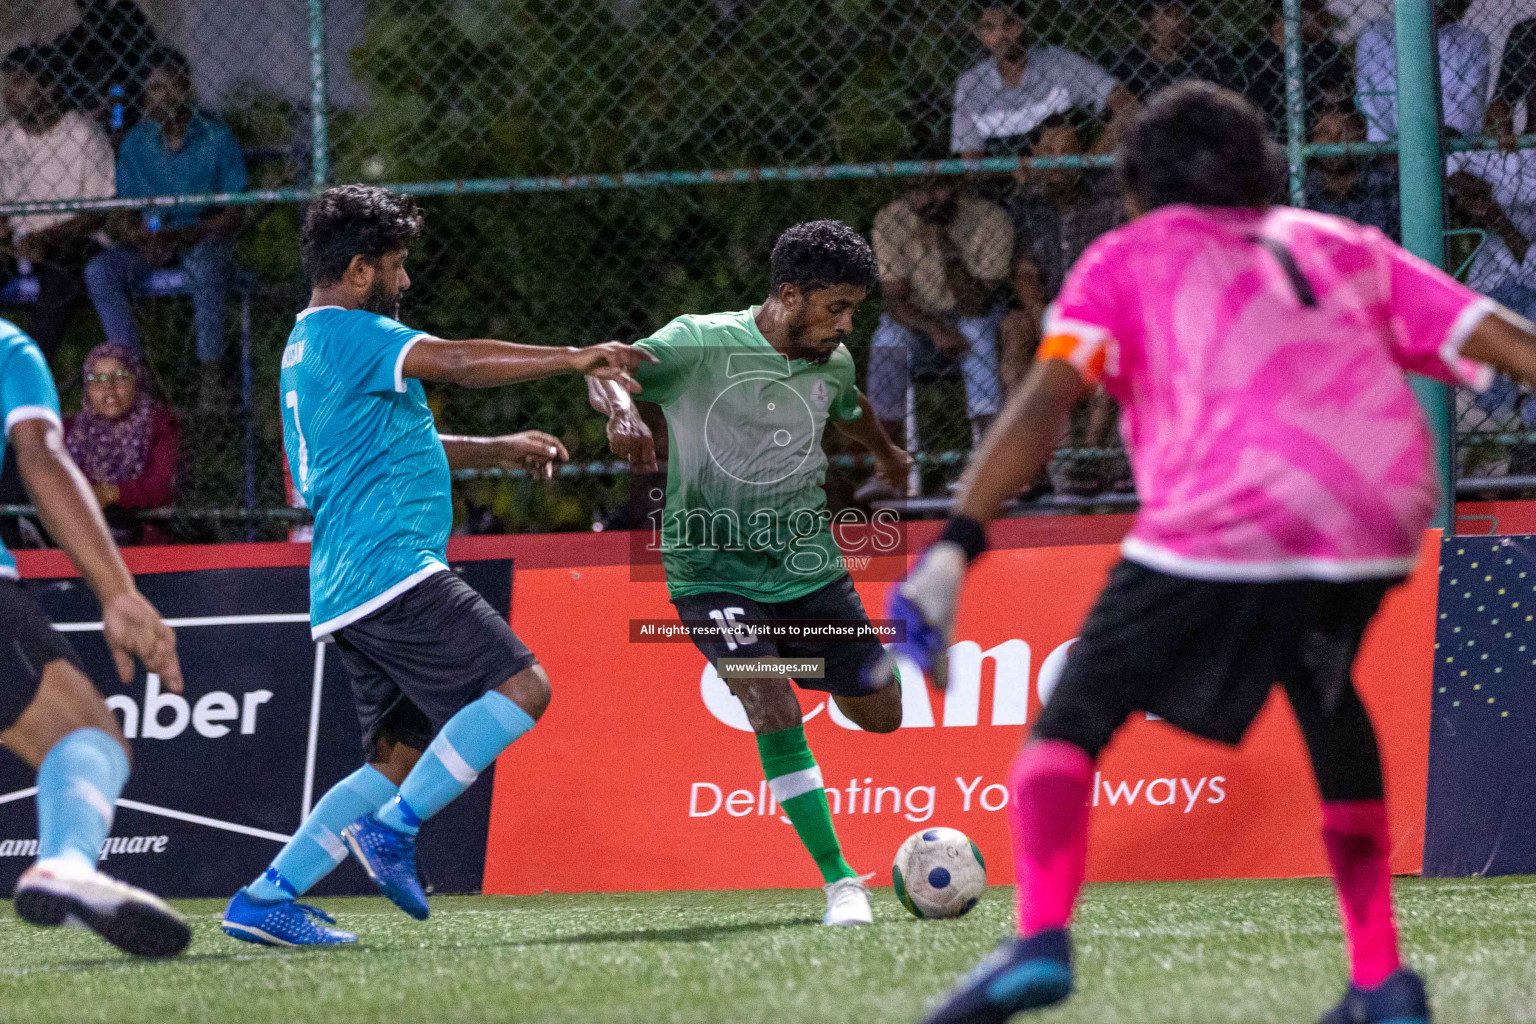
point(745, 538)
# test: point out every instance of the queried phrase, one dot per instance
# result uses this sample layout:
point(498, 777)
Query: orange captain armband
point(1086, 356)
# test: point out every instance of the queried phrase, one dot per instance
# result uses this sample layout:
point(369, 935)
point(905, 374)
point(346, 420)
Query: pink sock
point(1050, 783)
point(1356, 835)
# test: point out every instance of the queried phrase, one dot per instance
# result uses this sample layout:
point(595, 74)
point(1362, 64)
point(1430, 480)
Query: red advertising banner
point(644, 775)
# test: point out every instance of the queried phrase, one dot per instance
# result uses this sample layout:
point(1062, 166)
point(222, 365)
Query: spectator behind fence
point(942, 257)
point(1465, 58)
point(125, 442)
point(1496, 192)
point(174, 150)
point(1168, 51)
point(1057, 214)
point(1364, 189)
point(1258, 69)
point(46, 153)
point(1005, 97)
point(104, 60)
point(1516, 84)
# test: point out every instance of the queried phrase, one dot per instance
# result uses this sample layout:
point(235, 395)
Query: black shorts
point(415, 662)
point(837, 601)
point(1203, 655)
point(28, 642)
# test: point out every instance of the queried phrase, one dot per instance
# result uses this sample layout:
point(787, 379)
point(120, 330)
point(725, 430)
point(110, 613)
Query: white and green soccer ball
point(939, 873)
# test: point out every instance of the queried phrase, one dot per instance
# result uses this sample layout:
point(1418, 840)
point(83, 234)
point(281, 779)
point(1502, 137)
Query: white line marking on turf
point(314, 733)
point(198, 819)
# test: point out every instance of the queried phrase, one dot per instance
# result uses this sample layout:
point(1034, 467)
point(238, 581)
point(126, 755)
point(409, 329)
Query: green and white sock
point(795, 781)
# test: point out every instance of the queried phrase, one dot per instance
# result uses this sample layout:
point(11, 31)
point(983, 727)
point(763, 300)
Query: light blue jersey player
point(51, 715)
point(442, 683)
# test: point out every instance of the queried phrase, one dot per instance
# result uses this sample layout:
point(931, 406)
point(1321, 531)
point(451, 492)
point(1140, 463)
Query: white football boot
point(848, 902)
point(67, 891)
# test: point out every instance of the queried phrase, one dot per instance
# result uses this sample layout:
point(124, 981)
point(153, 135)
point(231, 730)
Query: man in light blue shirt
point(441, 683)
point(174, 150)
point(51, 715)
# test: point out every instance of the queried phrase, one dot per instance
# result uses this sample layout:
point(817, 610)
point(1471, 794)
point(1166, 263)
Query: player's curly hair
point(820, 254)
point(1198, 143)
point(354, 220)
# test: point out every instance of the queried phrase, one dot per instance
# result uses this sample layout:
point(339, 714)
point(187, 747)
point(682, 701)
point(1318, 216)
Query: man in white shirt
point(1011, 93)
point(48, 153)
point(1465, 62)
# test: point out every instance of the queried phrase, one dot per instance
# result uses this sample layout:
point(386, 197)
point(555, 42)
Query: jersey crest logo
point(819, 392)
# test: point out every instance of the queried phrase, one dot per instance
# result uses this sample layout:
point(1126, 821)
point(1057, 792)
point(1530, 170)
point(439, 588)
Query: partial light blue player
point(51, 715)
point(441, 682)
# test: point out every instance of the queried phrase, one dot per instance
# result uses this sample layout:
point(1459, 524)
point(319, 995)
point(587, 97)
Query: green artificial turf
point(1218, 951)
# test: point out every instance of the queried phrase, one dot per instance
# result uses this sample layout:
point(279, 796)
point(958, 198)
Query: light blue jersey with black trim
point(364, 452)
point(26, 393)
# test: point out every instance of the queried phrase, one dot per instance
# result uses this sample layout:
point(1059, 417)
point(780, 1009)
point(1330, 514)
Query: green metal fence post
point(319, 101)
point(1295, 102)
point(1421, 167)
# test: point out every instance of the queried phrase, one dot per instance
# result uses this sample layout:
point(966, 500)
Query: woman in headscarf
point(125, 442)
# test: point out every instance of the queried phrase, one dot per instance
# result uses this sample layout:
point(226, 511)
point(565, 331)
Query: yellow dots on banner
point(1461, 551)
point(1455, 703)
point(1509, 636)
point(1501, 591)
point(1503, 714)
point(1474, 565)
point(1477, 686)
point(1464, 671)
point(1442, 689)
point(1495, 622)
point(1455, 629)
point(1471, 643)
point(1490, 700)
point(1497, 671)
point(1489, 579)
point(1466, 595)
point(1481, 607)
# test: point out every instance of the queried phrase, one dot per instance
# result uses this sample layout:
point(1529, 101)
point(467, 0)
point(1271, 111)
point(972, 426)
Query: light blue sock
point(316, 849)
point(77, 788)
point(468, 744)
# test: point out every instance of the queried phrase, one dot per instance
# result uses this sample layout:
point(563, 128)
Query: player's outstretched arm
point(628, 436)
point(132, 627)
point(483, 363)
point(891, 462)
point(532, 450)
point(1505, 341)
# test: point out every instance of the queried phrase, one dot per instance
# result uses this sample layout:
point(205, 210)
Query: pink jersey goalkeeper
point(1258, 358)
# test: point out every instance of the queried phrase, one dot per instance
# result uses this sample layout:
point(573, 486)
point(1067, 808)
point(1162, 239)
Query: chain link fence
point(591, 169)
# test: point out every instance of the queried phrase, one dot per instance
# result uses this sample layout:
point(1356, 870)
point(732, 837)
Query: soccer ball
point(939, 873)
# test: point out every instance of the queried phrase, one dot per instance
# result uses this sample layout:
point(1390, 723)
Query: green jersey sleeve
point(677, 352)
point(846, 407)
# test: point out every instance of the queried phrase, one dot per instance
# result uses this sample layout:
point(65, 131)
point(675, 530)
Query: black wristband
point(969, 534)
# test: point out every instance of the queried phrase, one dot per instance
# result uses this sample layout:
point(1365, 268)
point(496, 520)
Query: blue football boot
point(281, 923)
point(1398, 1000)
point(389, 857)
point(1021, 974)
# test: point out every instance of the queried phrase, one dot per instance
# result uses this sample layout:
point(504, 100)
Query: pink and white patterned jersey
point(1258, 358)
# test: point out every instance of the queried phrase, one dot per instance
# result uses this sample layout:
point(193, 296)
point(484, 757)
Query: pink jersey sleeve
point(1431, 316)
point(1083, 325)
